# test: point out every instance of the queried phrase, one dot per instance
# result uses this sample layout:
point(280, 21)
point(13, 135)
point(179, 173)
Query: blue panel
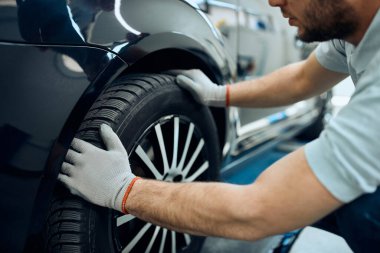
point(250, 170)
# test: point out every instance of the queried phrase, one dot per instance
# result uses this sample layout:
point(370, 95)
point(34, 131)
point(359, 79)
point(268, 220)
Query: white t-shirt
point(346, 157)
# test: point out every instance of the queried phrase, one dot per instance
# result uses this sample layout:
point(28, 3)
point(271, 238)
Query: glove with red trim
point(103, 177)
point(203, 90)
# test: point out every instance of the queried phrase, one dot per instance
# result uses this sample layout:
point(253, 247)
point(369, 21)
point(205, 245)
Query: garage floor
point(311, 240)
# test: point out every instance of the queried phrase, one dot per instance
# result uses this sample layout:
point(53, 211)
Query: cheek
point(311, 16)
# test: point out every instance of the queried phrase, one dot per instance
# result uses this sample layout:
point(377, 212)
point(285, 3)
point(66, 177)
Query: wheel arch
point(172, 58)
point(62, 143)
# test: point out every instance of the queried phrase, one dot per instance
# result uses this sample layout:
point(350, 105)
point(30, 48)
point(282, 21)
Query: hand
point(97, 175)
point(202, 89)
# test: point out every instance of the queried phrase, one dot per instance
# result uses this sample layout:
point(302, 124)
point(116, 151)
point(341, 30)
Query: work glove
point(203, 90)
point(103, 177)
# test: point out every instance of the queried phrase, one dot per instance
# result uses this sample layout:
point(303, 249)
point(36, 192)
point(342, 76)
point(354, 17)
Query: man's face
point(319, 20)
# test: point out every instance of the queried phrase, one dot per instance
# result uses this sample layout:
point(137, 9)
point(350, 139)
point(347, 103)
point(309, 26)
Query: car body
point(58, 56)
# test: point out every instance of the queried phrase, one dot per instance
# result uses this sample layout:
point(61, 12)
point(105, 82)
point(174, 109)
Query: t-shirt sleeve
point(332, 56)
point(346, 157)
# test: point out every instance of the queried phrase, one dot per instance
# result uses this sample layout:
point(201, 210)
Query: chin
point(300, 34)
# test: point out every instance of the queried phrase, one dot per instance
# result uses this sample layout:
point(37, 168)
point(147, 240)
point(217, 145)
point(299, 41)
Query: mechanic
point(336, 174)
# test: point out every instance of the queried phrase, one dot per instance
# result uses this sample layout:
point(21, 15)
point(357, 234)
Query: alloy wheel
point(171, 149)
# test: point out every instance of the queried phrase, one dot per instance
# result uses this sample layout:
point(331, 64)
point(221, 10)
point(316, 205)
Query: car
point(68, 66)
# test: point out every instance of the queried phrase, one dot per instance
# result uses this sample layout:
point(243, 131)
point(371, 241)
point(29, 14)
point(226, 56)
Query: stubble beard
point(328, 19)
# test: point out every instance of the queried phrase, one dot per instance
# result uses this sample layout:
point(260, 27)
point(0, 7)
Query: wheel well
point(169, 59)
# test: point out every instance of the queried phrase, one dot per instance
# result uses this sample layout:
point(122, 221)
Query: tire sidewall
point(163, 101)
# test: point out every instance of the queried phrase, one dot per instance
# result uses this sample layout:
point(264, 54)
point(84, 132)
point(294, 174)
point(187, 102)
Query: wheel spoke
point(162, 246)
point(137, 238)
point(193, 157)
point(187, 239)
point(175, 142)
point(162, 147)
point(186, 148)
point(173, 242)
point(197, 173)
point(145, 158)
point(124, 219)
point(149, 248)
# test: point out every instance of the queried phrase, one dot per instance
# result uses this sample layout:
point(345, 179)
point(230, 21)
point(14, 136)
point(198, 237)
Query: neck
point(366, 15)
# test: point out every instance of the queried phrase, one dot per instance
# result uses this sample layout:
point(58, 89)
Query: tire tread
point(67, 224)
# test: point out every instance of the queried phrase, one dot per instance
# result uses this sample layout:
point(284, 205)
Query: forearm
point(212, 209)
point(287, 85)
point(285, 197)
point(282, 87)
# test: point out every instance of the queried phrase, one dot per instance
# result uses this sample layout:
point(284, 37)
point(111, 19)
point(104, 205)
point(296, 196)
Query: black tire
point(135, 107)
point(313, 131)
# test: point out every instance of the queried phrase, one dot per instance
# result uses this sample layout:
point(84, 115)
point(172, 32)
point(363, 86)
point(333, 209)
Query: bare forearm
point(287, 85)
point(285, 197)
point(276, 89)
point(214, 209)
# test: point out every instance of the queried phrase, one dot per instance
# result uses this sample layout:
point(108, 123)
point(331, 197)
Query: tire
point(314, 130)
point(148, 112)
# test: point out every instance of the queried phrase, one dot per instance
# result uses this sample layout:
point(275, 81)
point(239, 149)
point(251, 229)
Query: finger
point(66, 180)
point(81, 146)
point(67, 168)
point(72, 156)
point(193, 74)
point(186, 82)
point(189, 85)
point(110, 138)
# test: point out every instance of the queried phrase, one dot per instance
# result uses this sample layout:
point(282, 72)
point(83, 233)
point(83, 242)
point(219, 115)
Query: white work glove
point(99, 176)
point(203, 90)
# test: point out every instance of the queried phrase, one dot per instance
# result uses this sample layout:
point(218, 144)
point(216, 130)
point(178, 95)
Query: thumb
point(110, 139)
point(186, 83)
point(191, 86)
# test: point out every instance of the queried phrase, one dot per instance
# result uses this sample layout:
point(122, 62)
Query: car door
point(265, 44)
point(260, 41)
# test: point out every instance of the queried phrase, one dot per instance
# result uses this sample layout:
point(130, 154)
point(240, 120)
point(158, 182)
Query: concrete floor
point(311, 240)
point(220, 245)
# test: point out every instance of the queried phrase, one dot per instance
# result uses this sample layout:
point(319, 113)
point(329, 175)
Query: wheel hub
point(173, 177)
point(170, 150)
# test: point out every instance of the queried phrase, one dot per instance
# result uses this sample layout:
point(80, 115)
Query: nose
point(277, 3)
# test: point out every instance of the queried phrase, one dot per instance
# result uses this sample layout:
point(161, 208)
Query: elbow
point(259, 227)
point(254, 219)
point(302, 87)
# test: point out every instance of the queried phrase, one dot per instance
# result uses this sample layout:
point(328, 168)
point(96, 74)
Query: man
point(337, 172)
